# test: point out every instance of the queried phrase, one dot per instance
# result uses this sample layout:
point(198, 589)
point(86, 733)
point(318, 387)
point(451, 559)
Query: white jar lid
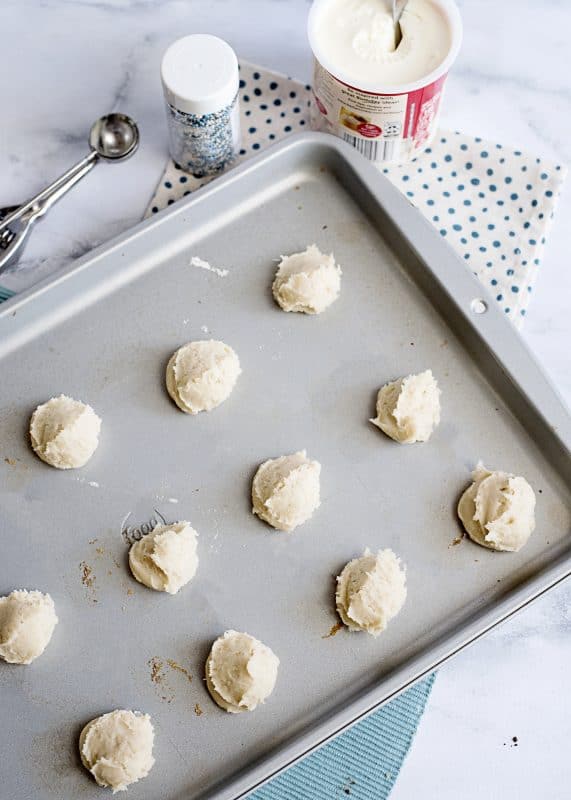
point(200, 74)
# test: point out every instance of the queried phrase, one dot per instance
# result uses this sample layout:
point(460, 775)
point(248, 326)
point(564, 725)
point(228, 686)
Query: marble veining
point(78, 59)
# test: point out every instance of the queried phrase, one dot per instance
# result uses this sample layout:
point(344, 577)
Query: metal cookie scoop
point(113, 138)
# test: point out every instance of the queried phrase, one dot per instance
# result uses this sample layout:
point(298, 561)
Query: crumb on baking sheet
point(156, 665)
point(179, 668)
point(88, 580)
point(87, 576)
point(195, 261)
point(197, 710)
point(333, 630)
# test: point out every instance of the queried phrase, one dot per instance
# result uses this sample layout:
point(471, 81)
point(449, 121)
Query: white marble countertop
point(65, 62)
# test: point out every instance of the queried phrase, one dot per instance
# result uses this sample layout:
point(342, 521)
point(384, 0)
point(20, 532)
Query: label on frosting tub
point(383, 127)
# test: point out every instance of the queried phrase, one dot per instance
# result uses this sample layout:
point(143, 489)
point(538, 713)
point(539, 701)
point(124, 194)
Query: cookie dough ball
point(285, 491)
point(117, 748)
point(201, 375)
point(497, 510)
point(27, 621)
point(241, 672)
point(64, 432)
point(371, 590)
point(307, 282)
point(408, 409)
point(165, 559)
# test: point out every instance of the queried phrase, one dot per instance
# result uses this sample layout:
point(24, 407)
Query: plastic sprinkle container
point(200, 81)
point(385, 104)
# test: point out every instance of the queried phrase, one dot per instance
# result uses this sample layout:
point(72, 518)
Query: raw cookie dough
point(408, 409)
point(201, 375)
point(285, 491)
point(308, 282)
point(371, 590)
point(64, 432)
point(27, 621)
point(241, 672)
point(497, 510)
point(165, 559)
point(117, 748)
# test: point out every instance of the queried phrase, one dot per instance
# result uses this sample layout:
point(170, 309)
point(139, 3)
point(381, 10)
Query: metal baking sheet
point(103, 330)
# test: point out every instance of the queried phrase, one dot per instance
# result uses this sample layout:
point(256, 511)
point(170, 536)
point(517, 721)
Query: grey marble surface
point(65, 62)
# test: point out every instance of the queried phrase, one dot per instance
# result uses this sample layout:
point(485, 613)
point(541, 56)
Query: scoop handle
point(39, 204)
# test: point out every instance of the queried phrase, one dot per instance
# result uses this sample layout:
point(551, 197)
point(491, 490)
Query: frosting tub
point(383, 100)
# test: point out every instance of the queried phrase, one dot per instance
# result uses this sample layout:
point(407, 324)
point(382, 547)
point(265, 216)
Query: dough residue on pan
point(117, 748)
point(195, 261)
point(64, 432)
point(165, 559)
point(27, 621)
point(241, 672)
point(285, 490)
point(371, 590)
point(498, 510)
point(408, 409)
point(307, 282)
point(201, 375)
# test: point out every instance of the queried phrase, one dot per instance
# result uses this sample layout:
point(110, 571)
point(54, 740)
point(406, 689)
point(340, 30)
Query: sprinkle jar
point(200, 81)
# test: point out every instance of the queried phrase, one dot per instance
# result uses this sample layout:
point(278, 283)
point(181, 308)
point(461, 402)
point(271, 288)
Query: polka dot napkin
point(494, 204)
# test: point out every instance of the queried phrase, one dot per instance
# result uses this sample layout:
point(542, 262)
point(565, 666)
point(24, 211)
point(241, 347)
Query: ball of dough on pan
point(201, 375)
point(64, 432)
point(408, 409)
point(166, 558)
point(27, 621)
point(241, 672)
point(285, 490)
point(498, 510)
point(307, 282)
point(371, 590)
point(117, 748)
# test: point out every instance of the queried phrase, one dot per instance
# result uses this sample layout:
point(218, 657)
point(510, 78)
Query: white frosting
point(497, 510)
point(64, 432)
point(165, 559)
point(241, 672)
point(371, 590)
point(117, 748)
point(357, 38)
point(27, 621)
point(285, 490)
point(307, 282)
point(195, 261)
point(201, 375)
point(408, 409)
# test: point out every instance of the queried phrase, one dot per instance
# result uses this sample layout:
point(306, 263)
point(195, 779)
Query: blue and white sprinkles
point(204, 144)
point(493, 204)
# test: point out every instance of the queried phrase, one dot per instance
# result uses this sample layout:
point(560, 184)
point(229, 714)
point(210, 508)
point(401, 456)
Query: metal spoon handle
point(398, 7)
point(59, 189)
point(54, 191)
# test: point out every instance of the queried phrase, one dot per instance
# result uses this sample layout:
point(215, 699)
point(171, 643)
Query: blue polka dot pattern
point(526, 194)
point(492, 204)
